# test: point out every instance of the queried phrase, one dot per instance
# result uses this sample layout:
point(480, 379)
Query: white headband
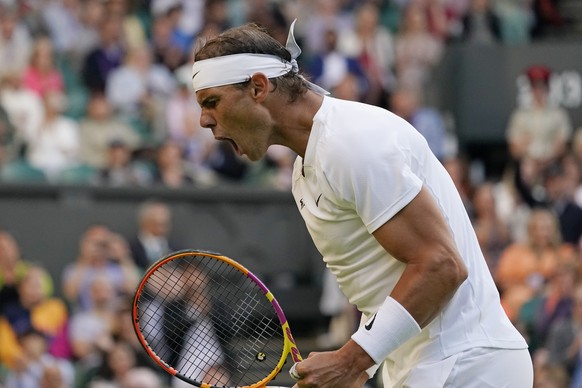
point(236, 68)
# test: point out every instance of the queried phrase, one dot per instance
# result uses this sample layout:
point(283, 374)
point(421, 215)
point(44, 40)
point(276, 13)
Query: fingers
point(293, 372)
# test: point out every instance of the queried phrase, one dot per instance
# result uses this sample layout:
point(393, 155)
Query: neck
point(293, 121)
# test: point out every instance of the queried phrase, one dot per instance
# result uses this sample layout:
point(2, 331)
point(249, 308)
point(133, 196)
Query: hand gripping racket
point(207, 320)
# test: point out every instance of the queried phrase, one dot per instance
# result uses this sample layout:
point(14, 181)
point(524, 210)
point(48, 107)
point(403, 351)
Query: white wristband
point(389, 328)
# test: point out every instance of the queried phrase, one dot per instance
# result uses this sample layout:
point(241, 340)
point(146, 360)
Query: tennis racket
point(207, 320)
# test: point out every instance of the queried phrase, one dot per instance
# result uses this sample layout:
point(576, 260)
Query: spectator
point(549, 21)
point(101, 253)
point(525, 266)
point(15, 41)
point(105, 57)
point(167, 46)
point(32, 310)
point(42, 369)
point(139, 89)
point(24, 108)
point(372, 44)
point(42, 76)
point(417, 50)
point(119, 360)
point(553, 304)
point(120, 169)
point(134, 32)
point(559, 189)
point(481, 25)
point(318, 18)
point(331, 67)
point(516, 20)
point(407, 103)
point(492, 233)
point(170, 169)
point(66, 24)
point(141, 378)
point(92, 330)
point(55, 147)
point(458, 170)
point(564, 341)
point(99, 129)
point(539, 131)
point(152, 241)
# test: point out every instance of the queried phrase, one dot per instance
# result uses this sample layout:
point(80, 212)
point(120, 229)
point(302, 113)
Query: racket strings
point(210, 322)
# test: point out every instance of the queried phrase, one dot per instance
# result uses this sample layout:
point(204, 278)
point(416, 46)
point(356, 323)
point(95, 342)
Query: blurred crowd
point(98, 92)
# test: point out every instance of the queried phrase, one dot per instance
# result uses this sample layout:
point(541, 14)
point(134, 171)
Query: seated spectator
point(41, 75)
point(55, 147)
point(481, 25)
point(15, 40)
point(373, 46)
point(71, 25)
point(92, 330)
point(139, 89)
point(539, 131)
point(564, 340)
point(101, 253)
point(525, 266)
point(141, 378)
point(120, 169)
point(548, 18)
point(492, 232)
point(41, 368)
point(13, 269)
point(170, 170)
point(559, 188)
point(33, 310)
point(23, 107)
point(417, 50)
point(553, 304)
point(99, 128)
point(152, 240)
point(329, 68)
point(168, 46)
point(516, 21)
point(119, 359)
point(407, 103)
point(105, 57)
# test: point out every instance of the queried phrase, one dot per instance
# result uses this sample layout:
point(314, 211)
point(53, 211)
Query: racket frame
point(289, 345)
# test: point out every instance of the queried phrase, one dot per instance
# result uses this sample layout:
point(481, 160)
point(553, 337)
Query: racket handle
point(293, 373)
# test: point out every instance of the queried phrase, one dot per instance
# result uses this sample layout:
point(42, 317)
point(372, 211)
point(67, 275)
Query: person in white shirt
point(384, 214)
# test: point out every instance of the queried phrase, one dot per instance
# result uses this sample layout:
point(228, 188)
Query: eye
point(209, 103)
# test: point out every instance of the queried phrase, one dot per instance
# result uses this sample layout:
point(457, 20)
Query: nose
point(207, 121)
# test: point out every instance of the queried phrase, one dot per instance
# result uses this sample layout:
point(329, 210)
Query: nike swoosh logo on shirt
point(317, 200)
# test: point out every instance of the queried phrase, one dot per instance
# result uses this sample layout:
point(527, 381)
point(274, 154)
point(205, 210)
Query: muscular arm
point(419, 236)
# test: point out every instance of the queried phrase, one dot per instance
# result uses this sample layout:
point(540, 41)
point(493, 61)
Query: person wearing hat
point(539, 131)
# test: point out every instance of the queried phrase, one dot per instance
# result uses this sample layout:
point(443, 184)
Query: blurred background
point(104, 167)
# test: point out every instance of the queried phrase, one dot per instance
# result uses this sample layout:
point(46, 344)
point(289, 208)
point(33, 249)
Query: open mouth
point(237, 150)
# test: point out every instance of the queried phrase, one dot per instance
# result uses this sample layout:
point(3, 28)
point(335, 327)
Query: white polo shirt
point(362, 165)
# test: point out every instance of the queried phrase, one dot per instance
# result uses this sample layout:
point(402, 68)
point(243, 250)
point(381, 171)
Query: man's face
point(234, 116)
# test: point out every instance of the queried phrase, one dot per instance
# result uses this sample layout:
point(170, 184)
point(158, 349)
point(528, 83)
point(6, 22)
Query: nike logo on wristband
point(368, 325)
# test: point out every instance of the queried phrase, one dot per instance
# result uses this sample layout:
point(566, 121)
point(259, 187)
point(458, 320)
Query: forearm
point(426, 287)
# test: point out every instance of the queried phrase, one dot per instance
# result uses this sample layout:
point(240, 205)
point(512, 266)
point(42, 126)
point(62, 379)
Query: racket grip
point(293, 373)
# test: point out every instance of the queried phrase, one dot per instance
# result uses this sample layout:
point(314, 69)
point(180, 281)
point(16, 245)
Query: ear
point(259, 84)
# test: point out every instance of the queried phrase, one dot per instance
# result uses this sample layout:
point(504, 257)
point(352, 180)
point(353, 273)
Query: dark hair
point(253, 39)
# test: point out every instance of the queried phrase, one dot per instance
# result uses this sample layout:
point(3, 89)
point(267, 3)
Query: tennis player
point(384, 214)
